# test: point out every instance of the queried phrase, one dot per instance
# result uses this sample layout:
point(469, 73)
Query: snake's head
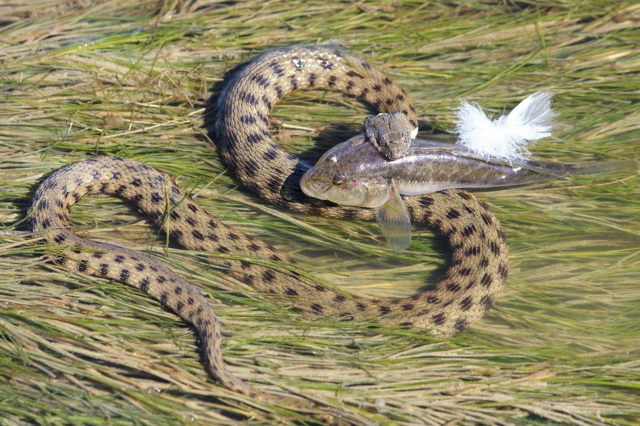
point(391, 134)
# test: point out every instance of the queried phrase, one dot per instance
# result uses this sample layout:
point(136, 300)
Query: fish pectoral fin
point(394, 220)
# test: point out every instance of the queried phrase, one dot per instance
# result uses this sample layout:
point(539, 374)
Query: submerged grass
point(132, 79)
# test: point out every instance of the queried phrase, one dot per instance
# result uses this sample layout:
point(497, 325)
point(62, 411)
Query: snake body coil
point(478, 267)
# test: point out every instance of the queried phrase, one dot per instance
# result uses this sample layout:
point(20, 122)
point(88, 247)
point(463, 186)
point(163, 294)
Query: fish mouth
point(309, 188)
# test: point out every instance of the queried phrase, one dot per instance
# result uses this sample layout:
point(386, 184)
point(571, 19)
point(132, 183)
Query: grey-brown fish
point(354, 173)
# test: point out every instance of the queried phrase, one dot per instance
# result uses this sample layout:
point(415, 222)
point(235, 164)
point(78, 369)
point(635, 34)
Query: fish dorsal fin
point(394, 220)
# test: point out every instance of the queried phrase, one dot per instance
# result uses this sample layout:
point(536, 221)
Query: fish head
point(342, 176)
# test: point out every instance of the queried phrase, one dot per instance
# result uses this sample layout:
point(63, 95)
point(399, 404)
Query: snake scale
point(477, 271)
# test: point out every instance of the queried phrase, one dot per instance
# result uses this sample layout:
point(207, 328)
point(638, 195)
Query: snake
point(479, 262)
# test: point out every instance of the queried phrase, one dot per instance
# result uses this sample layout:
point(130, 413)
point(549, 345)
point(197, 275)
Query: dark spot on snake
point(387, 81)
point(453, 214)
point(136, 182)
point(486, 218)
point(495, 248)
point(190, 301)
point(278, 90)
point(296, 309)
point(119, 259)
point(192, 207)
point(438, 319)
point(320, 288)
point(144, 285)
point(349, 85)
point(118, 191)
point(156, 197)
point(472, 251)
point(464, 272)
point(268, 276)
point(253, 247)
point(164, 297)
point(270, 155)
point(389, 101)
point(82, 266)
point(254, 138)
point(124, 275)
point(179, 307)
point(191, 221)
point(453, 287)
point(464, 195)
point(407, 307)
point(174, 215)
point(312, 80)
point(364, 92)
point(433, 299)
point(503, 271)
point(197, 234)
point(213, 224)
point(294, 83)
point(46, 223)
point(400, 98)
point(291, 292)
point(97, 255)
point(223, 250)
point(213, 237)
point(137, 198)
point(332, 81)
point(465, 305)
point(154, 215)
point(484, 262)
point(487, 302)
point(339, 298)
point(470, 210)
point(448, 233)
point(362, 306)
point(266, 102)
point(484, 206)
point(60, 238)
point(161, 279)
point(275, 258)
point(177, 290)
point(104, 269)
point(384, 310)
point(461, 324)
point(469, 230)
point(317, 308)
point(275, 183)
point(176, 233)
point(486, 280)
point(233, 237)
point(377, 88)
point(140, 267)
point(426, 201)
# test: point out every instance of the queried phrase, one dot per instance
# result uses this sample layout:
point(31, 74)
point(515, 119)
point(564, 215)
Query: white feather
point(506, 137)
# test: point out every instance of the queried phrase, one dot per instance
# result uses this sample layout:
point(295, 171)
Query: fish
point(355, 173)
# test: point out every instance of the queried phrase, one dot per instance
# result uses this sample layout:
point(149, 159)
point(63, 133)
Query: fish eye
point(339, 179)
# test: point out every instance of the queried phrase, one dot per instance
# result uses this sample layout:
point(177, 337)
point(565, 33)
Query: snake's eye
point(339, 179)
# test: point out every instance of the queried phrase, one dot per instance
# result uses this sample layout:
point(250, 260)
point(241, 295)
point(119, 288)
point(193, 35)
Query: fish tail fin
point(561, 170)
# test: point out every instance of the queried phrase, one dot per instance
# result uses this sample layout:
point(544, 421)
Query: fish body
point(354, 173)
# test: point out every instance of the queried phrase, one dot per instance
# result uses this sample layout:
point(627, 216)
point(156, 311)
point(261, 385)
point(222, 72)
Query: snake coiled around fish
point(479, 263)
